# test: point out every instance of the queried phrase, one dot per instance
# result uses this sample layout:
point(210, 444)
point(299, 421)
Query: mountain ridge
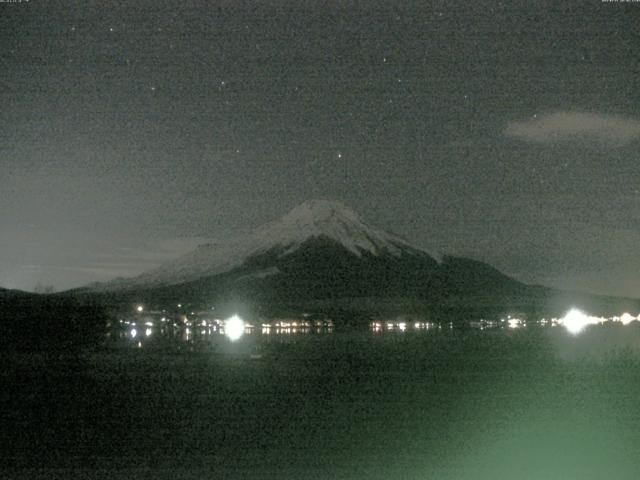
point(311, 219)
point(321, 255)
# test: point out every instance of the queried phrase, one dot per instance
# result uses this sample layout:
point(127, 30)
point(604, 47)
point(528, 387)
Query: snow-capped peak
point(312, 219)
point(329, 219)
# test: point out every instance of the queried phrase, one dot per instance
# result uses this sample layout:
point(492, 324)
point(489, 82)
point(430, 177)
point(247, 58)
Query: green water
point(456, 405)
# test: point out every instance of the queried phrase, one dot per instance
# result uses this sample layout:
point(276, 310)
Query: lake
point(530, 403)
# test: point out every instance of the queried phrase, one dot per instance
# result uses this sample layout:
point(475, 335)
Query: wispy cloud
point(575, 126)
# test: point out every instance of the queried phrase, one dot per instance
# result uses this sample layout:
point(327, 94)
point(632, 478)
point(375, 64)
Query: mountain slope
point(321, 251)
point(319, 219)
point(322, 256)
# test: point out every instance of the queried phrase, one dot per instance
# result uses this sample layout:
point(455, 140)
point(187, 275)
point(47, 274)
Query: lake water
point(443, 404)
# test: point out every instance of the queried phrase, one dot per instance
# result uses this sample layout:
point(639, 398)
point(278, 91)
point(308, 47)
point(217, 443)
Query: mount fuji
point(318, 221)
point(319, 253)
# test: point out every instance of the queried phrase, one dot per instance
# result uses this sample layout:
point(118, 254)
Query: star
point(153, 88)
point(111, 29)
point(339, 155)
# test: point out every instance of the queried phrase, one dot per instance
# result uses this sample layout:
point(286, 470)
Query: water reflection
point(200, 329)
point(379, 326)
point(201, 332)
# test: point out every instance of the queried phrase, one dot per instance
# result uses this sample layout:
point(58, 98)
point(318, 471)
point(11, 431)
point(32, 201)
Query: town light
point(234, 327)
point(575, 320)
point(627, 318)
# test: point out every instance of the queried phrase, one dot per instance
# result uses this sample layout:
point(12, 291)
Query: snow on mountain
point(312, 219)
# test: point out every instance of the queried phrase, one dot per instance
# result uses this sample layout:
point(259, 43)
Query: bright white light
point(147, 332)
point(234, 327)
point(627, 318)
point(139, 308)
point(575, 320)
point(402, 326)
point(133, 333)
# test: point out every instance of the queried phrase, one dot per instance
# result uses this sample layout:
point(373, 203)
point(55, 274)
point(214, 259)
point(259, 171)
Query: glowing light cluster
point(515, 323)
point(575, 320)
point(627, 318)
point(234, 327)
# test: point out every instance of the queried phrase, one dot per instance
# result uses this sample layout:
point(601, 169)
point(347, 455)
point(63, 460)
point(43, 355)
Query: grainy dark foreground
point(527, 405)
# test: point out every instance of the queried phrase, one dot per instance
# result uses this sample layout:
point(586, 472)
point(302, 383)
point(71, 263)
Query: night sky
point(504, 131)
